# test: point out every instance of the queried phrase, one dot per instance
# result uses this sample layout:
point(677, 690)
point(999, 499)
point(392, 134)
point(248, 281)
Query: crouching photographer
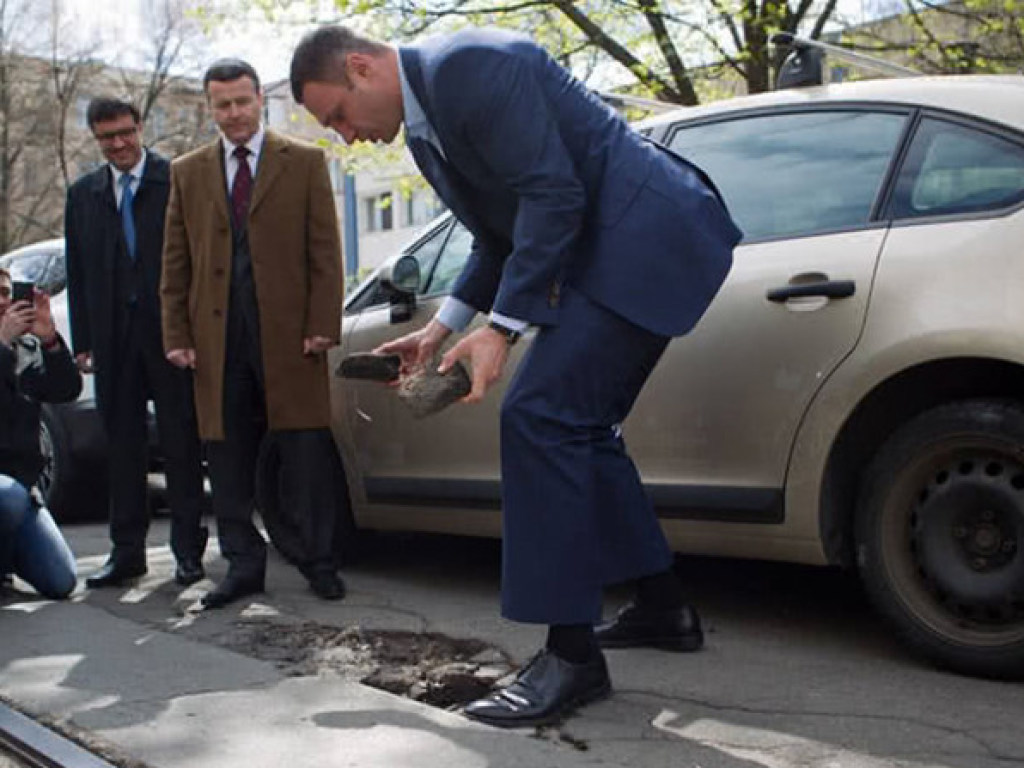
point(35, 367)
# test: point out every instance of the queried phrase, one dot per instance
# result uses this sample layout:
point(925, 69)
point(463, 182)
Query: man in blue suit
point(606, 243)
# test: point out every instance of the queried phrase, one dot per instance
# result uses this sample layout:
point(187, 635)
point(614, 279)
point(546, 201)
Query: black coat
point(95, 254)
point(29, 376)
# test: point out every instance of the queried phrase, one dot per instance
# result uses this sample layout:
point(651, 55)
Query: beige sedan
point(855, 395)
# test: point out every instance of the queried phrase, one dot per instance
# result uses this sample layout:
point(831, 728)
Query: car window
point(953, 168)
point(796, 173)
point(453, 259)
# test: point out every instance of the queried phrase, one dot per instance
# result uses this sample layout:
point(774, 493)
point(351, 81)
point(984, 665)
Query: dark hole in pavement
point(429, 667)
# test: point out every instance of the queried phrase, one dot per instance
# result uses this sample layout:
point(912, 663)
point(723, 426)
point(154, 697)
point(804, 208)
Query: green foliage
point(656, 48)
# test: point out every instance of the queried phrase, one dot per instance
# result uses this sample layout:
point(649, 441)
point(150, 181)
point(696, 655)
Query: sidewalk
point(132, 667)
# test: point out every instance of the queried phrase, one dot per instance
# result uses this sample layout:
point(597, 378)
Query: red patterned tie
point(241, 189)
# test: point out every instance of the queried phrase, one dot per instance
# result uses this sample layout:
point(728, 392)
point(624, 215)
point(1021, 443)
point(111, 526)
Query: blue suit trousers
point(575, 514)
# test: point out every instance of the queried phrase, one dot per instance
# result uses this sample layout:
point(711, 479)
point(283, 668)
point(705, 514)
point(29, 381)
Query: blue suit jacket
point(557, 188)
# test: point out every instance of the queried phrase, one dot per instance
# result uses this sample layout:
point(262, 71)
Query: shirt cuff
point(519, 326)
point(455, 314)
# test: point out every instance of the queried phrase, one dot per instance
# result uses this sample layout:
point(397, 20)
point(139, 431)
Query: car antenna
point(803, 65)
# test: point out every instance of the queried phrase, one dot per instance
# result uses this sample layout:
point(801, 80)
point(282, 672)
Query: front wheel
point(940, 529)
point(57, 474)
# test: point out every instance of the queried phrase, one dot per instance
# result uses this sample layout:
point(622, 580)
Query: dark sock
point(660, 591)
point(573, 642)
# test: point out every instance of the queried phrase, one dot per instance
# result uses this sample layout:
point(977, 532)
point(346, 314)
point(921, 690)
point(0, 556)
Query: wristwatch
point(511, 337)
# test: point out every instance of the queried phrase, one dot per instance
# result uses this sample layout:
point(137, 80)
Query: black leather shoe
point(231, 589)
point(327, 585)
point(189, 571)
point(115, 573)
point(673, 629)
point(547, 689)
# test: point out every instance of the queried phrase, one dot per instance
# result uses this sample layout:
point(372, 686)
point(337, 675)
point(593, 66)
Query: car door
point(712, 431)
point(448, 458)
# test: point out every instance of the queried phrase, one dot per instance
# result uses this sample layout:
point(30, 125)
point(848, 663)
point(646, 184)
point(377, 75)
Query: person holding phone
point(35, 367)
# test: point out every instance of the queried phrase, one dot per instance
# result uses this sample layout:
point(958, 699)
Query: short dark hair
point(320, 56)
point(226, 70)
point(104, 109)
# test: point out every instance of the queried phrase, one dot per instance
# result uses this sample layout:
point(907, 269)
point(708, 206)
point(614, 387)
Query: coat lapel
point(216, 179)
point(272, 162)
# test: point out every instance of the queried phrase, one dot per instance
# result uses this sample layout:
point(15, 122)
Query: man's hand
point(416, 348)
point(487, 351)
point(16, 321)
point(43, 326)
point(314, 345)
point(84, 362)
point(182, 358)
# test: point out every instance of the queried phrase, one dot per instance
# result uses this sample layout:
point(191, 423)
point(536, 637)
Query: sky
point(117, 22)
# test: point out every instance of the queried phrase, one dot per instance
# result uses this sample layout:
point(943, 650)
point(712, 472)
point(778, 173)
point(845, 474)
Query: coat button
point(217, 313)
point(219, 271)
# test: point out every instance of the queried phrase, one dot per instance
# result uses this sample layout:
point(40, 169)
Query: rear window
point(952, 168)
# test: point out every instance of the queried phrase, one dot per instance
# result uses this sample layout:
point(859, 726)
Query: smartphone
point(22, 291)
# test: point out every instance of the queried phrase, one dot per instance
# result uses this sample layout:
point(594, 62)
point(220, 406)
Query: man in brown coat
point(251, 295)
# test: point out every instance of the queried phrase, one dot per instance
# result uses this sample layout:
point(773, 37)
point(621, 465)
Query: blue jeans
point(31, 546)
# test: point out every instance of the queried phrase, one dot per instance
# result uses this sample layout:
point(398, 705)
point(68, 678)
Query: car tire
point(282, 528)
point(58, 472)
point(940, 536)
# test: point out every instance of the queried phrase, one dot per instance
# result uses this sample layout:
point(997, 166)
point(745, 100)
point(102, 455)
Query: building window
point(379, 212)
point(422, 206)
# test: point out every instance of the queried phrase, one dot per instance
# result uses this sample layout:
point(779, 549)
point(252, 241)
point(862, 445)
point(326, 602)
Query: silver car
point(854, 396)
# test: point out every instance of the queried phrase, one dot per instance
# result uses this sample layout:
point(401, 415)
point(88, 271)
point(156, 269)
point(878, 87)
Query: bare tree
point(36, 89)
point(163, 70)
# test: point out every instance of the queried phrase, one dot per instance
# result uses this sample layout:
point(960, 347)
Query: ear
point(358, 65)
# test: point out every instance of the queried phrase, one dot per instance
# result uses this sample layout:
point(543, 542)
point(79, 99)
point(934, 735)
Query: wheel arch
point(888, 405)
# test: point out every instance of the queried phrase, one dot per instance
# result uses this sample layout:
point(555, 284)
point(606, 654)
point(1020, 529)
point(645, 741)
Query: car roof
point(56, 243)
point(997, 98)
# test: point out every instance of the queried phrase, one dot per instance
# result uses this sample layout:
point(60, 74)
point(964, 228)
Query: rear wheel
point(940, 533)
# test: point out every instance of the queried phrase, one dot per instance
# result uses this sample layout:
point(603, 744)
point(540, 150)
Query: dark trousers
point(144, 374)
point(306, 477)
point(575, 514)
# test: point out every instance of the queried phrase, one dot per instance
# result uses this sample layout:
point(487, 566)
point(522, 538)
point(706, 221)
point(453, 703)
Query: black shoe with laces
point(671, 629)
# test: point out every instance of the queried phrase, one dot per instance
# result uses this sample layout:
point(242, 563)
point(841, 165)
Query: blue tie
point(127, 215)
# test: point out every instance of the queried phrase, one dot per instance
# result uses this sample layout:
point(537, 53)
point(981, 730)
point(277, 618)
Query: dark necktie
point(241, 189)
point(127, 214)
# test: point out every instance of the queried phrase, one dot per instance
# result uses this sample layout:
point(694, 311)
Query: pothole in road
point(429, 667)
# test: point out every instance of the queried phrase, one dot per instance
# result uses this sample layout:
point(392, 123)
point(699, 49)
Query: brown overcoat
point(295, 248)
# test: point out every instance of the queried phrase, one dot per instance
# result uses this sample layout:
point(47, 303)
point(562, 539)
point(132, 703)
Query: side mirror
point(401, 281)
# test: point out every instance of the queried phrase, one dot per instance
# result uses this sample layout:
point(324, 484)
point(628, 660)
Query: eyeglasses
point(127, 134)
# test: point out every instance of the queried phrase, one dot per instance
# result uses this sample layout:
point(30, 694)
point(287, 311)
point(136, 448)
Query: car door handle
point(832, 289)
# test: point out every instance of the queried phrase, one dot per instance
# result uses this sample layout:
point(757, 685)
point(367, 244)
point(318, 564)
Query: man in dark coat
point(114, 230)
point(607, 243)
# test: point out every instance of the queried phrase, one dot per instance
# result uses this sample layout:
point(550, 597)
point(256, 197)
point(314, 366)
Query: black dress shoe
point(672, 629)
point(231, 589)
point(547, 689)
point(189, 571)
point(115, 573)
point(327, 585)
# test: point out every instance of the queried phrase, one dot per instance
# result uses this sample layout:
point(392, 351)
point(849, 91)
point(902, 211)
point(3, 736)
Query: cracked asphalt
point(797, 671)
